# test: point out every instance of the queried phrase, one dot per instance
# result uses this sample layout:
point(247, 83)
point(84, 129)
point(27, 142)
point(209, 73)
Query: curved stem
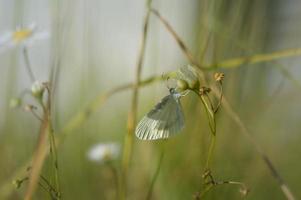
point(210, 113)
point(28, 65)
point(36, 115)
point(207, 189)
point(220, 98)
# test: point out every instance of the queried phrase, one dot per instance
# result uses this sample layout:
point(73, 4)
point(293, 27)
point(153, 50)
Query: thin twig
point(234, 116)
point(280, 67)
point(150, 190)
point(36, 115)
point(39, 157)
point(128, 142)
point(115, 177)
point(212, 124)
point(210, 113)
point(78, 119)
point(51, 188)
point(212, 183)
point(220, 98)
point(28, 65)
point(53, 150)
point(210, 152)
point(253, 59)
point(182, 45)
point(230, 63)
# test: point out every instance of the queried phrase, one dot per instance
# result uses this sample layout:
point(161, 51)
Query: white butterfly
point(164, 120)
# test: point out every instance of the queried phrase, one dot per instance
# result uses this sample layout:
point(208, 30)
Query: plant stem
point(38, 159)
point(212, 125)
point(220, 98)
point(210, 113)
point(115, 177)
point(28, 65)
point(207, 189)
point(210, 152)
point(150, 190)
point(51, 188)
point(128, 142)
point(53, 150)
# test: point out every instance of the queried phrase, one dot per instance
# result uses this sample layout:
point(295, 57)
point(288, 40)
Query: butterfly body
point(164, 120)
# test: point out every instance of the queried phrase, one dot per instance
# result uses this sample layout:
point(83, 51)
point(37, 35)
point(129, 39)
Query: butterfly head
point(175, 93)
point(172, 91)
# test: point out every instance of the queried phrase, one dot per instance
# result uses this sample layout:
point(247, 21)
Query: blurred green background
point(97, 43)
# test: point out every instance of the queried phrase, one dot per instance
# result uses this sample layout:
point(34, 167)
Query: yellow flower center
point(21, 35)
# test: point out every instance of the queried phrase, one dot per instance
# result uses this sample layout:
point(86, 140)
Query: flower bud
point(190, 75)
point(37, 89)
point(194, 84)
point(182, 84)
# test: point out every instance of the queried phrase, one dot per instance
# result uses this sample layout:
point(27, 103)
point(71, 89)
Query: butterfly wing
point(163, 121)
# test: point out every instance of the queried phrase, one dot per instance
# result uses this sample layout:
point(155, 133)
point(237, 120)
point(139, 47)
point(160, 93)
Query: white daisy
point(24, 36)
point(104, 152)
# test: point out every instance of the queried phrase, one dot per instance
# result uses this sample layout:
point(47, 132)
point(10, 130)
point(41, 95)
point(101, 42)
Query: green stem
point(210, 152)
point(212, 125)
point(51, 188)
point(54, 159)
point(150, 190)
point(53, 150)
point(207, 189)
point(210, 114)
point(115, 177)
point(28, 65)
point(128, 143)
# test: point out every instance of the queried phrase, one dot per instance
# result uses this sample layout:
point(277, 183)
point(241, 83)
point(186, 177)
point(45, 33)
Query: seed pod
point(190, 75)
point(194, 84)
point(182, 84)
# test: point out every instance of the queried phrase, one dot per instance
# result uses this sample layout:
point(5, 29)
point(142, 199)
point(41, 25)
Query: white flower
point(104, 152)
point(21, 36)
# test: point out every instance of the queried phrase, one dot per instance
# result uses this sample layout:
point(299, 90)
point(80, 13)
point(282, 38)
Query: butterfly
point(164, 120)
